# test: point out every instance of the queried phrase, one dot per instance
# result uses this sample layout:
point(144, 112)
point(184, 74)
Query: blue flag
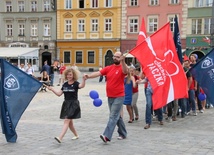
point(203, 72)
point(17, 89)
point(177, 39)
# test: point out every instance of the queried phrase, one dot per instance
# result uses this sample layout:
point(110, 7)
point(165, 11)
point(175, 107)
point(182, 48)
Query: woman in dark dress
point(71, 107)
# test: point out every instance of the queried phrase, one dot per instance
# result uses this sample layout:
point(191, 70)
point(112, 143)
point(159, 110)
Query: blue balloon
point(94, 94)
point(97, 102)
point(201, 96)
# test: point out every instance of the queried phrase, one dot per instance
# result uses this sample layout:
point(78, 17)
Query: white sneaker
point(201, 111)
point(75, 137)
point(195, 113)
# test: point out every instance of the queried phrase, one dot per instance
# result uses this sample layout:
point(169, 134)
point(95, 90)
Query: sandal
point(57, 139)
point(130, 121)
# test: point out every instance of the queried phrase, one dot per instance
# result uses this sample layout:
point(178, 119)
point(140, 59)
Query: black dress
point(71, 106)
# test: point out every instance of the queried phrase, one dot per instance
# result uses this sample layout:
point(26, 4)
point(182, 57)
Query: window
point(207, 26)
point(68, 25)
point(133, 2)
point(94, 3)
point(108, 24)
point(91, 57)
point(9, 30)
point(78, 56)
point(47, 29)
point(172, 23)
point(67, 4)
point(46, 5)
point(153, 2)
point(21, 29)
point(174, 1)
point(108, 3)
point(133, 25)
point(67, 57)
point(81, 3)
point(33, 6)
point(8, 6)
point(198, 3)
point(81, 25)
point(94, 25)
point(21, 6)
point(153, 24)
point(209, 2)
point(196, 26)
point(34, 30)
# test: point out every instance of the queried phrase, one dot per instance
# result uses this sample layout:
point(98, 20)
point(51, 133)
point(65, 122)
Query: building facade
point(199, 27)
point(29, 22)
point(155, 13)
point(88, 32)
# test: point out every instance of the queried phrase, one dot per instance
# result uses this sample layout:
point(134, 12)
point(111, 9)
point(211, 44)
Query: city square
point(40, 123)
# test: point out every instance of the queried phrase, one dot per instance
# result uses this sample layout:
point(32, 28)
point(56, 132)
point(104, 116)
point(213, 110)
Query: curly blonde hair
point(74, 72)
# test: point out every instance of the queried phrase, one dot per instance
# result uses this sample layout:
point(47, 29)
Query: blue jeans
point(52, 79)
point(115, 106)
point(183, 105)
point(192, 100)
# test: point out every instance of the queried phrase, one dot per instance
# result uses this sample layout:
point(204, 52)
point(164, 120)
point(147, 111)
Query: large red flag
point(158, 56)
point(142, 34)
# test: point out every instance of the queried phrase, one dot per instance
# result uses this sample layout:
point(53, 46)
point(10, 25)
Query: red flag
point(185, 58)
point(142, 34)
point(162, 67)
point(206, 39)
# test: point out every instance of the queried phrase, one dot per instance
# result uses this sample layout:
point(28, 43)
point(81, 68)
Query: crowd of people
point(122, 89)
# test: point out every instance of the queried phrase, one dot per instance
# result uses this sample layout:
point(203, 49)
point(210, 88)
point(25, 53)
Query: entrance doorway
point(46, 56)
point(109, 58)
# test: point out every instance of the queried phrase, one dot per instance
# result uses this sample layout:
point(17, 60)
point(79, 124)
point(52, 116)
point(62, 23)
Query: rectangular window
point(196, 26)
point(133, 2)
point(34, 30)
point(81, 25)
point(21, 29)
point(91, 57)
point(68, 25)
point(8, 6)
point(47, 30)
point(94, 25)
point(108, 3)
point(68, 4)
point(133, 25)
point(67, 57)
point(33, 6)
point(21, 6)
point(108, 24)
point(154, 2)
point(209, 3)
point(207, 26)
point(47, 5)
point(94, 3)
point(9, 30)
point(153, 24)
point(199, 3)
point(78, 56)
point(172, 23)
point(81, 4)
point(174, 1)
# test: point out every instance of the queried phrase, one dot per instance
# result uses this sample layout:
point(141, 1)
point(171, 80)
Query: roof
point(19, 52)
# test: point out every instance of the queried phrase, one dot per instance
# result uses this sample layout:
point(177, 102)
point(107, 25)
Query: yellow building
point(88, 32)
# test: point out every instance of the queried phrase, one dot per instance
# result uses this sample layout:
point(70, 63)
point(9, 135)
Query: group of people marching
point(122, 83)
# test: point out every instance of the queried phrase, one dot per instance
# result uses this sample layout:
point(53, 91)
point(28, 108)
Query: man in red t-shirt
point(115, 75)
point(61, 76)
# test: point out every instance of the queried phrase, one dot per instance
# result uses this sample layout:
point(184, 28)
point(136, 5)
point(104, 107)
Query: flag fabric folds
point(177, 39)
point(142, 34)
point(17, 90)
point(160, 63)
point(203, 72)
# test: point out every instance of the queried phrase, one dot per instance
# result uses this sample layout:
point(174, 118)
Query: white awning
point(129, 56)
point(14, 52)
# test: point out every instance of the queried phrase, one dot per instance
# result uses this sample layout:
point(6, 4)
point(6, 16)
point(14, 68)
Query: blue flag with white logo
point(203, 72)
point(17, 89)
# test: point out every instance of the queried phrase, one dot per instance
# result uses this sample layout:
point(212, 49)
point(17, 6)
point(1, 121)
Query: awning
point(15, 52)
point(129, 56)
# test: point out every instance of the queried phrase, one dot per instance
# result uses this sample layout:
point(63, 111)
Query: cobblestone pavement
point(40, 123)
